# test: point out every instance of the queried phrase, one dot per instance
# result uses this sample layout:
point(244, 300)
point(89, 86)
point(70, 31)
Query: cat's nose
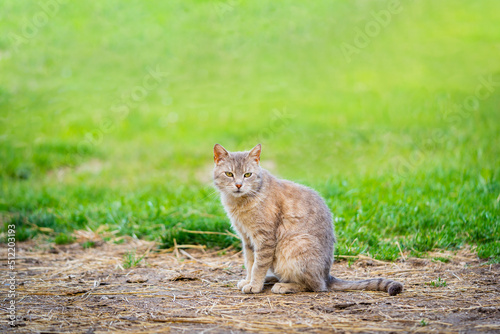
point(238, 185)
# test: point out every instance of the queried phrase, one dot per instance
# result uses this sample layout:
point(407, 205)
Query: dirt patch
point(74, 290)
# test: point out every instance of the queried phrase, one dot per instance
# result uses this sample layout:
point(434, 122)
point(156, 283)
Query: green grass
point(392, 136)
point(131, 260)
point(438, 283)
point(441, 259)
point(88, 244)
point(63, 239)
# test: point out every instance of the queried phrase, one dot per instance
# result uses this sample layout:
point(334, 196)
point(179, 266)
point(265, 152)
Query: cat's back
point(300, 202)
point(304, 216)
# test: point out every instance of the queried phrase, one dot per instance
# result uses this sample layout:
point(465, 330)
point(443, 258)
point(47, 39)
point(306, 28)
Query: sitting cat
point(286, 228)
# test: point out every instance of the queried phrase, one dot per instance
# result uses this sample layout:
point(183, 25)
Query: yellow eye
point(229, 174)
point(247, 174)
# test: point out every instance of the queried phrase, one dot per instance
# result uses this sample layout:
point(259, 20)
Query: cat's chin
point(238, 194)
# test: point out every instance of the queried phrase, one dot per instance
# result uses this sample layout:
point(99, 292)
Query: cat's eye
point(229, 174)
point(247, 174)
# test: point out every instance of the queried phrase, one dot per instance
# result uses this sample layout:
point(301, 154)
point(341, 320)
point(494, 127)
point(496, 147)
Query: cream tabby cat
point(286, 229)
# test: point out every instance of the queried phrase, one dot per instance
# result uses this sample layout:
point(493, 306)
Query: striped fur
point(286, 229)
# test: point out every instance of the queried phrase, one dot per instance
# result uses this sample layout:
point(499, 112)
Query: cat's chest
point(244, 219)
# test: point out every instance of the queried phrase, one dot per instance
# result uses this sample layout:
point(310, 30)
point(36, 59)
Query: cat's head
point(237, 174)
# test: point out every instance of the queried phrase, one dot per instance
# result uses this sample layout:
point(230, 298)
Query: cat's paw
point(283, 288)
point(251, 288)
point(242, 283)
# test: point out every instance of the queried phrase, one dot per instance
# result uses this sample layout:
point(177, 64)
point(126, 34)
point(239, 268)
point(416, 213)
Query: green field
point(109, 111)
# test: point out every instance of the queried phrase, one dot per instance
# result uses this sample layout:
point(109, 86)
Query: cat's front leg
point(263, 258)
point(248, 254)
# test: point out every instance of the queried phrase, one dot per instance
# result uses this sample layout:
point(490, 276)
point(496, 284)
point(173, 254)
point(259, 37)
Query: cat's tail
point(375, 284)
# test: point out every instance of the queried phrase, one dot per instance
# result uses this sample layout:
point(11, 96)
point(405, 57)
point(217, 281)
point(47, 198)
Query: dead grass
point(67, 289)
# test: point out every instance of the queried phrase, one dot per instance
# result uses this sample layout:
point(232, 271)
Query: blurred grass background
point(398, 128)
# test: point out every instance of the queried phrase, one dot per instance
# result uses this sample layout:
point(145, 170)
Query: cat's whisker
point(212, 193)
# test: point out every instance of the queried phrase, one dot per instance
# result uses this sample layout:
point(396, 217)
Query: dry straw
point(67, 289)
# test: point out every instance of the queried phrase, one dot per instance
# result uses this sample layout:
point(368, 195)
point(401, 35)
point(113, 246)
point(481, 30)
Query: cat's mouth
point(238, 192)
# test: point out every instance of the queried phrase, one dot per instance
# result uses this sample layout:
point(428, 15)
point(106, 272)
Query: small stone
point(136, 279)
point(487, 309)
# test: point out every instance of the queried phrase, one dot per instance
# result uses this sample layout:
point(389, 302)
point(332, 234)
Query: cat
point(286, 229)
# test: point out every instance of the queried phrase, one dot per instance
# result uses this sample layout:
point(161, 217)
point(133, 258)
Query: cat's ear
point(255, 153)
point(220, 153)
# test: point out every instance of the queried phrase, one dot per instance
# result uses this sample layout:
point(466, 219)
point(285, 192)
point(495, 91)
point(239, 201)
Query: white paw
point(242, 283)
point(250, 288)
point(281, 288)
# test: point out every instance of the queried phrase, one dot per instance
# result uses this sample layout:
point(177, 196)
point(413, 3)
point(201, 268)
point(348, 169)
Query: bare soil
point(68, 289)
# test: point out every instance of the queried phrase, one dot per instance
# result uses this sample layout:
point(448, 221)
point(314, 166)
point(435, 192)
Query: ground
point(69, 289)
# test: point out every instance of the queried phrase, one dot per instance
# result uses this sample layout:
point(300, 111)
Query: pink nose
point(238, 185)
